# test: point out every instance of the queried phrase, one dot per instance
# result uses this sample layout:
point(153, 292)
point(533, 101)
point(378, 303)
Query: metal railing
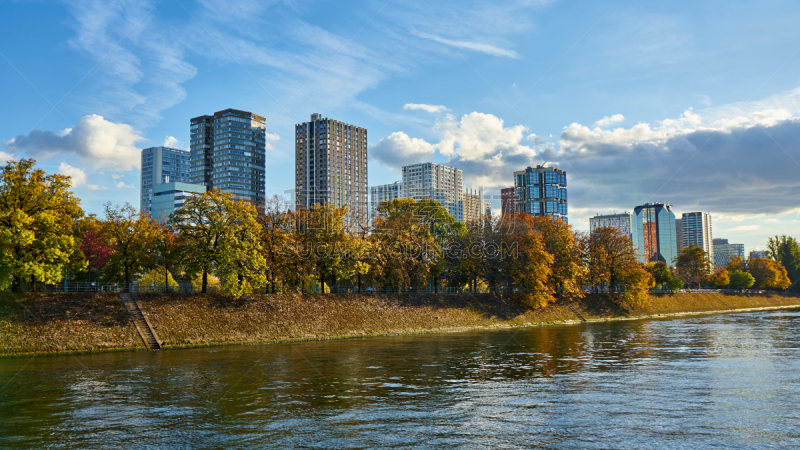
point(184, 287)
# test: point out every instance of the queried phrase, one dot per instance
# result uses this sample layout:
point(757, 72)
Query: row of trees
point(693, 268)
point(214, 239)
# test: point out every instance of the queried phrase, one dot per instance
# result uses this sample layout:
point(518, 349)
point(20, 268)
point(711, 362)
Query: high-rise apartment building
point(653, 231)
point(757, 254)
point(331, 166)
point(229, 153)
point(622, 222)
point(679, 233)
point(435, 181)
point(507, 200)
point(696, 230)
point(161, 165)
point(384, 193)
point(474, 209)
point(171, 196)
point(723, 252)
point(541, 191)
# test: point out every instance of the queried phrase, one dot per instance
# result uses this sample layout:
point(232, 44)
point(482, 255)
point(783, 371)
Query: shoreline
point(460, 313)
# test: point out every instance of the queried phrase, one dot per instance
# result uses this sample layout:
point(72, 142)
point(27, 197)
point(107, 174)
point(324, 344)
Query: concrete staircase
point(575, 310)
point(143, 326)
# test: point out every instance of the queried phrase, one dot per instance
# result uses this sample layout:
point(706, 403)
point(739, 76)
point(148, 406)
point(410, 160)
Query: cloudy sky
point(693, 103)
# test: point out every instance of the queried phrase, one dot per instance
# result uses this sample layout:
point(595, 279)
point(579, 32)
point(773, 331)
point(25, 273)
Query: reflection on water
point(726, 380)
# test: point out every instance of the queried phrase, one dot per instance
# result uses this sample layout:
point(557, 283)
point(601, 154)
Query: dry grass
point(203, 319)
point(601, 307)
point(66, 322)
point(41, 323)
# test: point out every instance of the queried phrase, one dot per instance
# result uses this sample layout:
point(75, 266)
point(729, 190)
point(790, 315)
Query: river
point(712, 381)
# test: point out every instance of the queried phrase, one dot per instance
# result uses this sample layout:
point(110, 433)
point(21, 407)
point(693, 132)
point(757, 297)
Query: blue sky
point(693, 103)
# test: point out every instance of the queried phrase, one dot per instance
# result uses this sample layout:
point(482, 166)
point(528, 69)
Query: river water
point(714, 381)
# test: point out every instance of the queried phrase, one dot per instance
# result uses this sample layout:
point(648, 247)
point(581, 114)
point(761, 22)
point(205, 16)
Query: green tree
point(37, 213)
point(660, 272)
point(741, 280)
point(132, 237)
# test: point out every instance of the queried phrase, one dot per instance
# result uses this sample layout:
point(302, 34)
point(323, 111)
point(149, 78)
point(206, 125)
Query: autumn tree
point(131, 236)
point(769, 274)
point(220, 234)
point(721, 277)
point(37, 212)
point(95, 249)
point(532, 264)
point(736, 263)
point(786, 250)
point(567, 271)
point(277, 225)
point(614, 262)
point(692, 265)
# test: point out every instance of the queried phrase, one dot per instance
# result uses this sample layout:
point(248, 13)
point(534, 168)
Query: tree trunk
point(204, 284)
point(127, 278)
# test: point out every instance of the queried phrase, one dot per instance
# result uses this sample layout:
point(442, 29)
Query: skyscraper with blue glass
point(653, 231)
point(541, 191)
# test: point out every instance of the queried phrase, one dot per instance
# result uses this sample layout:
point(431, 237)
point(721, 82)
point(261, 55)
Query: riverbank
point(48, 323)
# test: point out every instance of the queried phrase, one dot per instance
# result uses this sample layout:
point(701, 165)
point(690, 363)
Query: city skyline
point(636, 101)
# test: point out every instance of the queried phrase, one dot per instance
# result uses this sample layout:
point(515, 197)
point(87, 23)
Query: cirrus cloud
point(424, 107)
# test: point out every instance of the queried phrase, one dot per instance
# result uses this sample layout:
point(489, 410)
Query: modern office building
point(507, 197)
point(679, 233)
point(487, 207)
point(696, 230)
point(384, 193)
point(653, 231)
point(474, 209)
point(757, 254)
point(435, 181)
point(228, 153)
point(723, 252)
point(170, 196)
point(331, 166)
point(161, 165)
point(541, 191)
point(622, 222)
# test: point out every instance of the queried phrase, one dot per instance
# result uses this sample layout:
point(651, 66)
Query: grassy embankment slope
point(85, 322)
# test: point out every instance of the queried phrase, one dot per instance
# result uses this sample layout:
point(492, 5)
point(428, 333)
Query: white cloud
point(468, 45)
point(479, 144)
point(78, 177)
point(399, 149)
point(95, 140)
point(6, 157)
point(609, 120)
point(704, 99)
point(424, 107)
point(94, 187)
point(123, 185)
point(172, 142)
point(746, 228)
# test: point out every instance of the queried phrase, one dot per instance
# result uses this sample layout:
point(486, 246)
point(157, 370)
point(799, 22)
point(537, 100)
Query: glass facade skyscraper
point(229, 153)
point(653, 231)
point(541, 191)
point(161, 165)
point(723, 252)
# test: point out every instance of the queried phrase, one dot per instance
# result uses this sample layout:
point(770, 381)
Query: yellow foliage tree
point(37, 212)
